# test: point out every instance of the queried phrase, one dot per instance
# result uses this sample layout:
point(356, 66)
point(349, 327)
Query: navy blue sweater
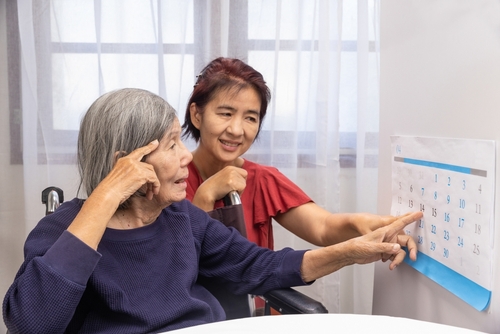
point(139, 281)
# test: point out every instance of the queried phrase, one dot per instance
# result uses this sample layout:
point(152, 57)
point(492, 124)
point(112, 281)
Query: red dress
point(267, 193)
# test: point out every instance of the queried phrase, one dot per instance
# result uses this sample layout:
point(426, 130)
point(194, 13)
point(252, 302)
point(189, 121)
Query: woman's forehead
point(233, 93)
point(174, 130)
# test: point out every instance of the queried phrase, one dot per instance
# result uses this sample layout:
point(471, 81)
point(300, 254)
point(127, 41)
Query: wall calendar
point(452, 181)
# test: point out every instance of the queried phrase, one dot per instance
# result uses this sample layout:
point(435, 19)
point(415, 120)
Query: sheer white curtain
point(318, 57)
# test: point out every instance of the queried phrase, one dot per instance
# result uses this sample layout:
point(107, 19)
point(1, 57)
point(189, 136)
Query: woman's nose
point(187, 156)
point(236, 126)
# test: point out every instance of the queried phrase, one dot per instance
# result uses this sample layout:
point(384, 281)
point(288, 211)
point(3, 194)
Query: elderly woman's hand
point(130, 173)
point(127, 176)
point(382, 244)
point(363, 252)
point(366, 223)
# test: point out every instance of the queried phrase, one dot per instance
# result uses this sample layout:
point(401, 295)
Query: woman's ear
point(195, 115)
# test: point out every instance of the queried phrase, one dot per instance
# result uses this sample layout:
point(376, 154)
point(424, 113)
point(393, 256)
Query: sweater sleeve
point(243, 266)
point(48, 287)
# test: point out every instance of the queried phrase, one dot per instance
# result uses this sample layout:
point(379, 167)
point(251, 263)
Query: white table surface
point(325, 323)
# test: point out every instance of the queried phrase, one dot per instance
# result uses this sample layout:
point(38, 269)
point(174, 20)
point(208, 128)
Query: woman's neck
point(135, 216)
point(207, 165)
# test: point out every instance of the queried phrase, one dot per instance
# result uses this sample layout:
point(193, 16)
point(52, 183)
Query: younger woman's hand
point(219, 185)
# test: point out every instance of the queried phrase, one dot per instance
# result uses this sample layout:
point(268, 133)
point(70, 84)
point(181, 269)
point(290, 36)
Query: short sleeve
point(272, 192)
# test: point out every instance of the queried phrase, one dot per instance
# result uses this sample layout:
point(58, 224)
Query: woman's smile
point(230, 146)
point(228, 125)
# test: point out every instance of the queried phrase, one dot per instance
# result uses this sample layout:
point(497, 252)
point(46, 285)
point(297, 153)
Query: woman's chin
point(174, 197)
point(181, 195)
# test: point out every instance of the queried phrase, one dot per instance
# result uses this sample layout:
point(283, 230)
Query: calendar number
point(476, 249)
point(433, 246)
point(477, 229)
point(461, 203)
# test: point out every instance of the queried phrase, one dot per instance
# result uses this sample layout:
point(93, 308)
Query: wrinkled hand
point(130, 174)
point(385, 242)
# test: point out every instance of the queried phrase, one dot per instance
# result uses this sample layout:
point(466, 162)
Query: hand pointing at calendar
point(393, 233)
point(384, 243)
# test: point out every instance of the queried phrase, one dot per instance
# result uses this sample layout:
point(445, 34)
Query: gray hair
point(119, 121)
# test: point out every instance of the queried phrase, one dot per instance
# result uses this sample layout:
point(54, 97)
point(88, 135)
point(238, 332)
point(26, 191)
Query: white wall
point(440, 77)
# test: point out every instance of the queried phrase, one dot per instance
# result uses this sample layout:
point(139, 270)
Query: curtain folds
point(318, 57)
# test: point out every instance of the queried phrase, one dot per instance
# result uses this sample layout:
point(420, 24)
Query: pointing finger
point(141, 152)
point(400, 224)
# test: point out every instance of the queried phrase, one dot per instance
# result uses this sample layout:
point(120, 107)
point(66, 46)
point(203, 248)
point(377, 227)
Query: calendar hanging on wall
point(452, 181)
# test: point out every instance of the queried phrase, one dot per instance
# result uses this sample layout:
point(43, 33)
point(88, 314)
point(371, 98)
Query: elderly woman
point(126, 259)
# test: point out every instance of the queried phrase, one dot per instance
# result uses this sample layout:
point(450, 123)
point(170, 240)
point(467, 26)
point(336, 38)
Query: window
point(290, 91)
point(83, 51)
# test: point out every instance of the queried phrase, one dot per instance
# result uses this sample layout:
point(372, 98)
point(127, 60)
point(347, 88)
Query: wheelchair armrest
point(290, 301)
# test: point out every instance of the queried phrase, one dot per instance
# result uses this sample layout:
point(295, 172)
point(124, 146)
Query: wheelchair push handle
point(52, 197)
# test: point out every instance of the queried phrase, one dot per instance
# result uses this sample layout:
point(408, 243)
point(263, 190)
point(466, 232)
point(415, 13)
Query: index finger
point(141, 152)
point(407, 219)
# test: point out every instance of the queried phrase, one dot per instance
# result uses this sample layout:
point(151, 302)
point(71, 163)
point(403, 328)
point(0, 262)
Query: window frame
point(61, 138)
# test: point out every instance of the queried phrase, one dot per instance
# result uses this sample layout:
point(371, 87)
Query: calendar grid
point(452, 182)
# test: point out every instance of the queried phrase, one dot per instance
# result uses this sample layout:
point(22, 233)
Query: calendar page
point(452, 181)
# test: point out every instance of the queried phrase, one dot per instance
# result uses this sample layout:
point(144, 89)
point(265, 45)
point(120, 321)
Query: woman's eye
point(173, 146)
